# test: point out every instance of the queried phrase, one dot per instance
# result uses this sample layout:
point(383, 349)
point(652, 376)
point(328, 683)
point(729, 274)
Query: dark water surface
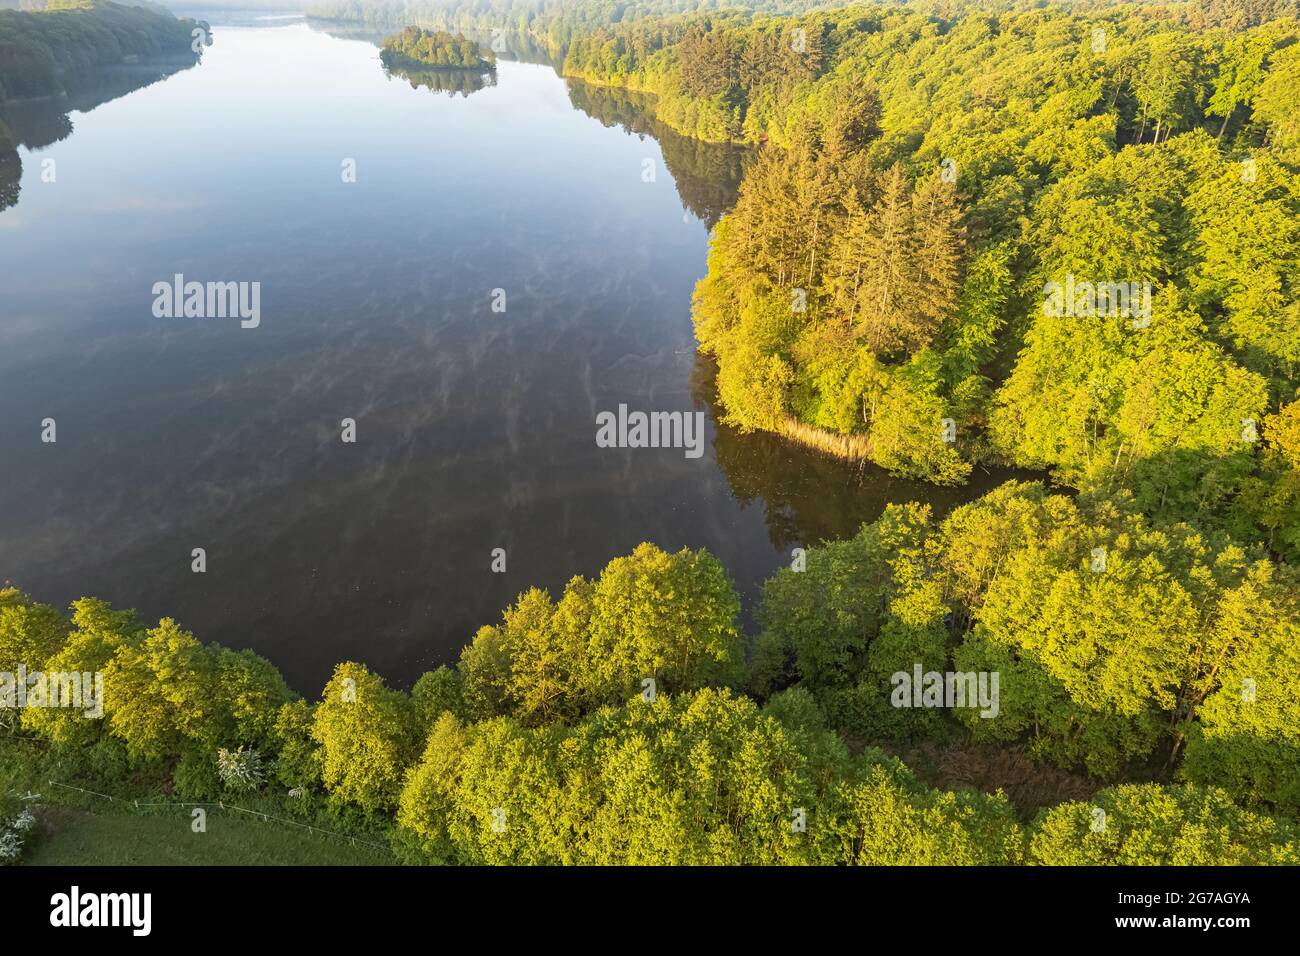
point(475, 429)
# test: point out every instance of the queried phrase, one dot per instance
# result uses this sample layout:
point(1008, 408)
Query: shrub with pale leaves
point(240, 769)
point(13, 836)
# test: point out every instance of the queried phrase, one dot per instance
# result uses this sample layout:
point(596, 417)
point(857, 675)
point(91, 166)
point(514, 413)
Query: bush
point(1151, 825)
point(241, 770)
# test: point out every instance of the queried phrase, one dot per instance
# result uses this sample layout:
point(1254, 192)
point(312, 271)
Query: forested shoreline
point(630, 720)
point(928, 173)
point(37, 48)
point(878, 290)
point(1013, 235)
point(68, 56)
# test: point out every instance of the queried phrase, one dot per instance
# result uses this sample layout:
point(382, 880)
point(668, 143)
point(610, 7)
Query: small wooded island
point(430, 49)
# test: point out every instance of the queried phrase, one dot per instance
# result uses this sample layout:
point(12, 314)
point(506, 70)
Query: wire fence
point(268, 817)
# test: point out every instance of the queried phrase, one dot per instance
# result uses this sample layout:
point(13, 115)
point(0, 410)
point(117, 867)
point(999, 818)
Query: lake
point(380, 302)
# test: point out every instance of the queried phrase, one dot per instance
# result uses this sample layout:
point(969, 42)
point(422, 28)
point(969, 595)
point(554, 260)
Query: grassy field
point(80, 829)
point(74, 837)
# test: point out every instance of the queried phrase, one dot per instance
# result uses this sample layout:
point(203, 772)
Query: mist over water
point(475, 429)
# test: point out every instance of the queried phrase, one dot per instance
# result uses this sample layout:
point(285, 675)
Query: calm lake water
point(475, 428)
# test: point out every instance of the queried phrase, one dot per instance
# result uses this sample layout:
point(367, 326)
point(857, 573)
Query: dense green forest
point(970, 234)
point(879, 289)
point(38, 49)
point(936, 182)
point(546, 743)
point(551, 23)
point(415, 47)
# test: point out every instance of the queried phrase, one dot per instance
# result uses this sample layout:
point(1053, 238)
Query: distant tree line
point(37, 48)
point(552, 24)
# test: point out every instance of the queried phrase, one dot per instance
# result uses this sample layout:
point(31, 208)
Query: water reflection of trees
point(810, 497)
point(451, 82)
point(11, 173)
point(39, 123)
point(707, 174)
point(518, 47)
point(507, 45)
